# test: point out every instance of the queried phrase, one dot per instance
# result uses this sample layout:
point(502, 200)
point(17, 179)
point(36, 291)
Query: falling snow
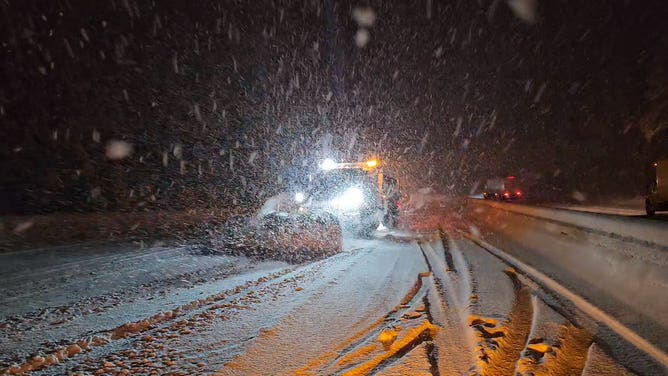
point(118, 150)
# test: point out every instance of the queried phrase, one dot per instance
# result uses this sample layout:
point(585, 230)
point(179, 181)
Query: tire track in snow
point(567, 357)
point(446, 251)
point(311, 340)
point(133, 329)
point(443, 291)
point(512, 347)
point(381, 347)
point(586, 307)
point(97, 262)
point(455, 341)
point(432, 324)
point(196, 343)
point(109, 266)
point(55, 317)
point(502, 346)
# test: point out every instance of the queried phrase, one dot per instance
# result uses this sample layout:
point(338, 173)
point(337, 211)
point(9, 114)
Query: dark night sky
point(449, 92)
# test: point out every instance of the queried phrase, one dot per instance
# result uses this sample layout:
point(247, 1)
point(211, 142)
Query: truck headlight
point(352, 198)
point(300, 197)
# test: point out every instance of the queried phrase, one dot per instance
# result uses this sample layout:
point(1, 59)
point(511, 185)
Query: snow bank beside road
point(638, 229)
point(294, 239)
point(634, 206)
point(56, 229)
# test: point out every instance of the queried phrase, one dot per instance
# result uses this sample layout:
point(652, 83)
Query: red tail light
point(518, 193)
point(506, 194)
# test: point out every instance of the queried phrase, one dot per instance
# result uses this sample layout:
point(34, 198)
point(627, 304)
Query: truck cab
point(351, 192)
point(657, 197)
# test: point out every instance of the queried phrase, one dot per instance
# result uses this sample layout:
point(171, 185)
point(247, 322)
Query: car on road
point(657, 197)
point(507, 188)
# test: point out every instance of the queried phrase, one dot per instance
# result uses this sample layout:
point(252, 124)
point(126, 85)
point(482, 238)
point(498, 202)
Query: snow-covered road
point(88, 308)
point(401, 303)
point(624, 277)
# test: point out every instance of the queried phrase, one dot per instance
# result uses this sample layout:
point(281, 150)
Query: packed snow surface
point(401, 302)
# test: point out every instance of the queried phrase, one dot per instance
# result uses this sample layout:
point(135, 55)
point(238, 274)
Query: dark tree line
point(221, 99)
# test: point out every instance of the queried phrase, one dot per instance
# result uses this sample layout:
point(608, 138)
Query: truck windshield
point(332, 182)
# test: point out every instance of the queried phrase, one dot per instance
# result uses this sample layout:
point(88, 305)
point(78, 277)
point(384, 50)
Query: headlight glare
point(352, 198)
point(300, 197)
